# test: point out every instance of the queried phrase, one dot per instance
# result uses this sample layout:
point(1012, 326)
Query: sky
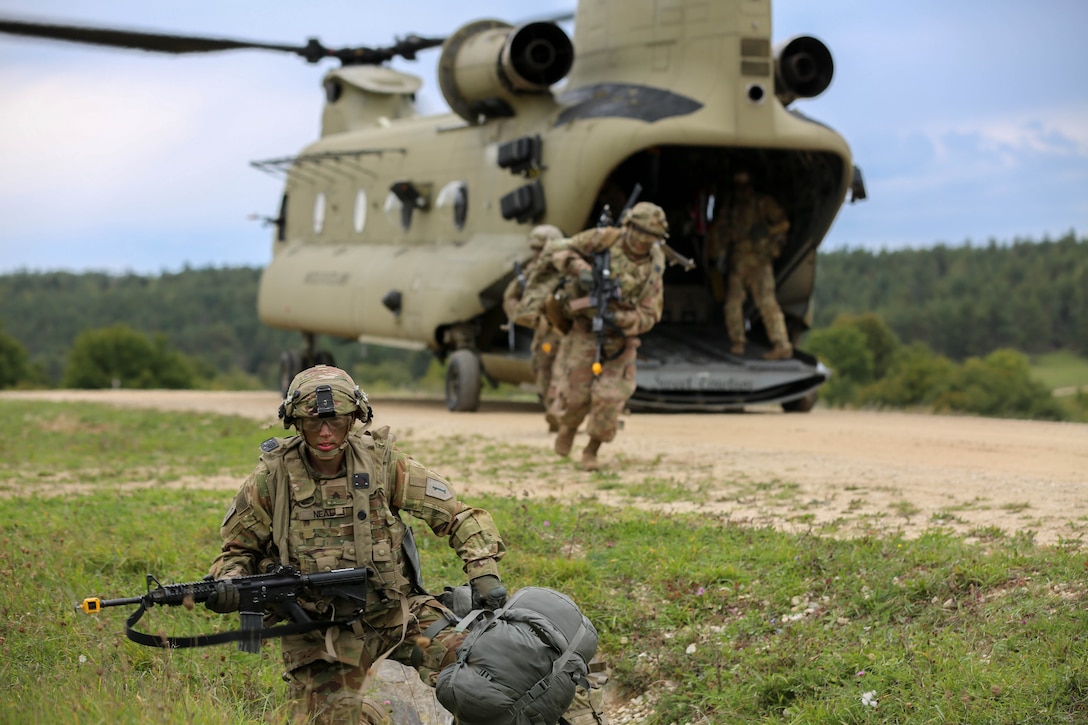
point(969, 121)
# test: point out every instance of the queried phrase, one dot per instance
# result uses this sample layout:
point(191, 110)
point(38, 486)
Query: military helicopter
point(401, 229)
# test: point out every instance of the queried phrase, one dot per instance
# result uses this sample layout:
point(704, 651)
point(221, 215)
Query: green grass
point(718, 622)
point(1060, 369)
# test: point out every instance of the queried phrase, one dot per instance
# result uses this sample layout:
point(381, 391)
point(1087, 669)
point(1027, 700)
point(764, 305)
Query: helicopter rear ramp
point(689, 368)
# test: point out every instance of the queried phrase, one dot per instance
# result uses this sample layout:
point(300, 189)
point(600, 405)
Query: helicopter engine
point(488, 67)
point(802, 68)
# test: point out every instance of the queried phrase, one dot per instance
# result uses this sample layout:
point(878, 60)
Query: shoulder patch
point(438, 489)
point(270, 445)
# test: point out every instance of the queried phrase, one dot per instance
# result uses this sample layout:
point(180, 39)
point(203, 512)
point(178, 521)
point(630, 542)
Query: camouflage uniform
point(545, 344)
point(286, 513)
point(637, 266)
point(751, 231)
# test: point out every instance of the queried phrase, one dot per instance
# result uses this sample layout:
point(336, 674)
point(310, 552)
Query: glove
point(577, 266)
point(585, 279)
point(225, 598)
point(625, 319)
point(488, 592)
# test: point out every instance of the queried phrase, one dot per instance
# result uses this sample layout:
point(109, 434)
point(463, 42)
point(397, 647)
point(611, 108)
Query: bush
point(843, 349)
point(118, 356)
point(916, 376)
point(14, 366)
point(999, 385)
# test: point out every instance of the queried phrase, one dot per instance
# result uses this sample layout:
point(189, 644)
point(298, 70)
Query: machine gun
point(276, 592)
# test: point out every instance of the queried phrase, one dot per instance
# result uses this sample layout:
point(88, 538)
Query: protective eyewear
point(337, 423)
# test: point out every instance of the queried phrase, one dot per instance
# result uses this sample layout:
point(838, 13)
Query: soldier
point(330, 498)
point(545, 345)
point(751, 230)
point(636, 265)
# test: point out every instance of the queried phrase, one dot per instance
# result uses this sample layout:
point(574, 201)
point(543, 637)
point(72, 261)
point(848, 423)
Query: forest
point(966, 301)
point(955, 303)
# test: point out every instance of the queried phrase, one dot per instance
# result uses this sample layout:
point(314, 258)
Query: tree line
point(965, 301)
point(201, 325)
point(884, 322)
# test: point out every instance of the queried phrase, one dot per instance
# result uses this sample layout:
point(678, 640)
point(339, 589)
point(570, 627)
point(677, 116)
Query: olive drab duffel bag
point(519, 665)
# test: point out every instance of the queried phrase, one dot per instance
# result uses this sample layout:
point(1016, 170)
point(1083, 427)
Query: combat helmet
point(323, 391)
point(542, 234)
point(647, 218)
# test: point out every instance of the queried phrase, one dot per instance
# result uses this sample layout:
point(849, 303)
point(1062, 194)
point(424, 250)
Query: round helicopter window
point(360, 211)
point(319, 212)
point(453, 203)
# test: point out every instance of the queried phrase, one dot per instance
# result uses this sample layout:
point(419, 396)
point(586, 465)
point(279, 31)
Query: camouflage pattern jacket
point(750, 228)
point(641, 283)
point(284, 514)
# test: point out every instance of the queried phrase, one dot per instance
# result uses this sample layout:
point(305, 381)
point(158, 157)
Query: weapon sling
point(238, 635)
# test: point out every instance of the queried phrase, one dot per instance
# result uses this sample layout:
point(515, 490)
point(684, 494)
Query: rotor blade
point(313, 51)
point(404, 47)
point(155, 42)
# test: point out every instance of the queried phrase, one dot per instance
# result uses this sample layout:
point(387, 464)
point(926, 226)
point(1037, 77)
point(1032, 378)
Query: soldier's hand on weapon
point(576, 265)
point(585, 279)
point(225, 598)
point(626, 320)
point(488, 592)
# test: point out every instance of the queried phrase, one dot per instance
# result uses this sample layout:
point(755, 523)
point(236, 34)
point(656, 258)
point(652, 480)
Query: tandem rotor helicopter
point(402, 229)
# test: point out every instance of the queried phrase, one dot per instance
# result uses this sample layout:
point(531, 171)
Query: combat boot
point(737, 348)
point(589, 455)
point(564, 440)
point(553, 423)
point(781, 351)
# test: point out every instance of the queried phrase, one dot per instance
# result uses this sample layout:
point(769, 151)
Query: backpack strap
point(545, 682)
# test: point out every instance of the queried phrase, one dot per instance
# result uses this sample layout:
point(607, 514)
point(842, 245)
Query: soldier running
point(637, 264)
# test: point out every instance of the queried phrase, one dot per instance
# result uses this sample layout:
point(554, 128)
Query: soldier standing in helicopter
point(746, 239)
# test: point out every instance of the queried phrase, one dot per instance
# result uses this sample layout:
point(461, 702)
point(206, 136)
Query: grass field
point(719, 623)
point(1060, 370)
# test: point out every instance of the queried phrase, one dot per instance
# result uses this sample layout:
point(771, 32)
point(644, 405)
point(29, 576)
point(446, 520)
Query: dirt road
point(857, 471)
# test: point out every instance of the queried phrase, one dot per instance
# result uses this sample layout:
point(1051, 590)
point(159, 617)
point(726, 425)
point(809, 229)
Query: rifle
point(604, 289)
point(519, 273)
point(674, 257)
point(276, 592)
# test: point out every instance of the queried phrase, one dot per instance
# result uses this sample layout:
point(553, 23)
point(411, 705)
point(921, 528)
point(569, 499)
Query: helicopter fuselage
point(402, 230)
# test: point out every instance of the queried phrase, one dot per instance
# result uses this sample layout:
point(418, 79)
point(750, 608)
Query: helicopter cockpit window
point(359, 216)
point(319, 212)
point(452, 203)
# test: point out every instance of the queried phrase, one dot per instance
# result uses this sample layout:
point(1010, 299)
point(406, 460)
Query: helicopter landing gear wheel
point(290, 366)
point(463, 381)
point(800, 405)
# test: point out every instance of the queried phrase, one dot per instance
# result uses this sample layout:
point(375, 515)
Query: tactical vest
point(341, 523)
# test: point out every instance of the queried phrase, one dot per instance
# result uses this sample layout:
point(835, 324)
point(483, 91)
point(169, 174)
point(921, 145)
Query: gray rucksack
point(519, 665)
